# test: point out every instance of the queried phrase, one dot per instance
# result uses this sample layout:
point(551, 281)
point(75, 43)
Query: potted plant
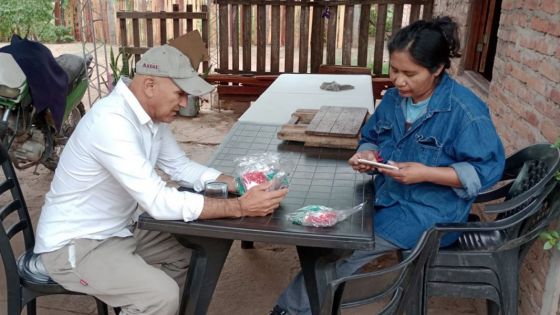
point(117, 72)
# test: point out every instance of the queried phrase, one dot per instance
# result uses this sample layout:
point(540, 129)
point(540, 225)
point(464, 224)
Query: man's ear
point(148, 85)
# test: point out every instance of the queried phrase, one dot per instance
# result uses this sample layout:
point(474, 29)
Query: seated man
point(85, 235)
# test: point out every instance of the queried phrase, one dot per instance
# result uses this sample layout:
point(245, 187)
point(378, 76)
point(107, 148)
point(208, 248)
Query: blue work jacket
point(456, 131)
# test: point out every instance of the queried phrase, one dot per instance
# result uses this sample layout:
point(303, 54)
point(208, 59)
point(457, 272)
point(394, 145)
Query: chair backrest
point(339, 69)
point(400, 283)
point(14, 218)
point(523, 208)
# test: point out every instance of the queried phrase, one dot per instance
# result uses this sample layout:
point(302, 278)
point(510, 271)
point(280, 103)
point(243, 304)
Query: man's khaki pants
point(119, 271)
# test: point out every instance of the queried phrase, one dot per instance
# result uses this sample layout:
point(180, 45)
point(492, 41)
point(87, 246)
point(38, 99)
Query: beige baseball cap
point(168, 61)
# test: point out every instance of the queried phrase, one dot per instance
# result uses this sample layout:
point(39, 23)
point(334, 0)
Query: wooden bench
point(240, 87)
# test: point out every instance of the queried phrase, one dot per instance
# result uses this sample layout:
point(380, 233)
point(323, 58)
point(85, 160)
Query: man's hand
point(366, 155)
point(258, 202)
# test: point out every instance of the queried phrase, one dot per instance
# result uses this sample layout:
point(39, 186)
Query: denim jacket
point(456, 131)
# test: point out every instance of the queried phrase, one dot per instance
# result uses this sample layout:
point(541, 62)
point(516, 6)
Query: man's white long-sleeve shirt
point(107, 170)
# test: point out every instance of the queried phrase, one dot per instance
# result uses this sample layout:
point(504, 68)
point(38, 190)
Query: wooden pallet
point(330, 126)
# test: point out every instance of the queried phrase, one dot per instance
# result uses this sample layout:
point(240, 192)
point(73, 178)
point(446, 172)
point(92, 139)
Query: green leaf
point(547, 245)
point(546, 236)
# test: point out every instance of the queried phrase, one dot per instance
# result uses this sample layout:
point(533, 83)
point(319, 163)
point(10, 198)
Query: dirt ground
point(251, 279)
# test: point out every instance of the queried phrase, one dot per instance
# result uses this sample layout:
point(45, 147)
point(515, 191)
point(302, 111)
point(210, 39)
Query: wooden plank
point(323, 121)
point(160, 15)
point(347, 35)
point(350, 121)
point(223, 36)
point(264, 80)
point(150, 32)
point(136, 37)
point(331, 35)
point(189, 21)
point(176, 22)
point(414, 13)
point(331, 142)
point(162, 31)
point(303, 38)
point(338, 69)
point(363, 36)
point(317, 40)
point(325, 2)
point(337, 121)
point(240, 89)
point(122, 26)
point(397, 18)
point(296, 132)
point(427, 11)
point(261, 38)
point(289, 44)
point(379, 39)
point(204, 34)
point(275, 39)
point(234, 37)
point(246, 38)
point(304, 115)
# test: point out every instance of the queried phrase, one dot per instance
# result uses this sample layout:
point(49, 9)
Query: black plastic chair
point(24, 284)
point(402, 283)
point(486, 259)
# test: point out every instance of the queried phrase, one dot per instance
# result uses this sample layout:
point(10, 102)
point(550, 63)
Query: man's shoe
point(277, 310)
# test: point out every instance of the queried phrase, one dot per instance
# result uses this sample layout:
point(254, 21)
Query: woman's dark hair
point(430, 43)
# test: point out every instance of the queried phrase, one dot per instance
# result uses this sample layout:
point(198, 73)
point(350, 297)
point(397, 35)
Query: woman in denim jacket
point(440, 136)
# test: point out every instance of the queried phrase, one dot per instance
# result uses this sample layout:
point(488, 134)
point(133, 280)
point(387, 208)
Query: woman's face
point(410, 78)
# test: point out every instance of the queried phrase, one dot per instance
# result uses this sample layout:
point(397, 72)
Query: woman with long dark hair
point(440, 137)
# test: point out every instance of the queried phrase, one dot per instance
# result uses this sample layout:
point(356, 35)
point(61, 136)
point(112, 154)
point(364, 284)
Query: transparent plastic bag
point(321, 216)
point(255, 169)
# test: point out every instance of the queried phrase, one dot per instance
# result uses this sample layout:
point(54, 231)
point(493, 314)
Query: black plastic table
point(318, 176)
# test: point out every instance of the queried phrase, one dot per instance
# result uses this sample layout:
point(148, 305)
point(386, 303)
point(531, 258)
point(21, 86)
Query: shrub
point(26, 18)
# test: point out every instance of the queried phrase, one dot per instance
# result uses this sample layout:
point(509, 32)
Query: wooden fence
point(137, 29)
point(298, 36)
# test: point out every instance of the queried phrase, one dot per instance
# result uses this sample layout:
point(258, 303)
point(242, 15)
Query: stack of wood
point(329, 126)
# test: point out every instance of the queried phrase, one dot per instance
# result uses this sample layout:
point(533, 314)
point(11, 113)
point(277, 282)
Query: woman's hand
point(366, 155)
point(408, 172)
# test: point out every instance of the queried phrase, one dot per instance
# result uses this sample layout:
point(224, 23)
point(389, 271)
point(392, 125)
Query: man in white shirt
point(106, 172)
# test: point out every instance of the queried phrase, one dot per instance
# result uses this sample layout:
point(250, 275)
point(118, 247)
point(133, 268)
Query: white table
point(292, 91)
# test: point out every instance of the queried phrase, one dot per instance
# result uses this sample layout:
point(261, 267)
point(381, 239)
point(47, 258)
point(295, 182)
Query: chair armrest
point(517, 201)
point(494, 194)
point(508, 222)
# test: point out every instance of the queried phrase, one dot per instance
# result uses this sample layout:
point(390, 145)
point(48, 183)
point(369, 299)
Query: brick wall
point(523, 96)
point(525, 93)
